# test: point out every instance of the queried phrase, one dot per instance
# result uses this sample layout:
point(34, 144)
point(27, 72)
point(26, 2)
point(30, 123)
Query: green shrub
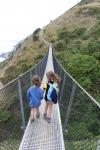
point(37, 30)
point(74, 46)
point(11, 73)
point(38, 58)
point(94, 11)
point(41, 45)
point(97, 55)
point(84, 68)
point(63, 33)
point(79, 127)
point(78, 32)
point(94, 31)
point(60, 45)
point(69, 36)
point(44, 30)
point(3, 63)
point(35, 37)
point(90, 47)
point(5, 115)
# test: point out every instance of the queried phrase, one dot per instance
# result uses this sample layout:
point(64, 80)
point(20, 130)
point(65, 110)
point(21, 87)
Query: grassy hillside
point(76, 38)
point(26, 54)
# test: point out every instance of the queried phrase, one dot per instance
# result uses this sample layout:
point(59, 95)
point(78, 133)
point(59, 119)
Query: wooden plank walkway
point(41, 135)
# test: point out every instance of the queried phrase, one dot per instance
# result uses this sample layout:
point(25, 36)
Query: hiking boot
point(48, 119)
point(32, 120)
point(38, 115)
point(44, 115)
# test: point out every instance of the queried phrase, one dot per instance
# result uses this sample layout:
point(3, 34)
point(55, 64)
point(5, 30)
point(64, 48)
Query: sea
point(2, 59)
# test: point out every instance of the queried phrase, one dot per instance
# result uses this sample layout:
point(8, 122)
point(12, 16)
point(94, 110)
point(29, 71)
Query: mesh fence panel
point(10, 107)
point(80, 115)
point(83, 129)
point(10, 117)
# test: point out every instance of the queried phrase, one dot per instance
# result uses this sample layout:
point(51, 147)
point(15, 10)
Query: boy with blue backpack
point(51, 93)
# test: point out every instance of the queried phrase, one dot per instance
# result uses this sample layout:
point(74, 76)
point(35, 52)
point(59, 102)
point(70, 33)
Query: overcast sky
point(19, 18)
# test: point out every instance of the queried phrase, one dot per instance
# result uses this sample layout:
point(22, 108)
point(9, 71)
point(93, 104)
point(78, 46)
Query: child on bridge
point(35, 95)
point(50, 93)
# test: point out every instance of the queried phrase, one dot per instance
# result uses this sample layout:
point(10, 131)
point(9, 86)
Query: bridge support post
point(63, 84)
point(70, 105)
point(31, 76)
point(21, 104)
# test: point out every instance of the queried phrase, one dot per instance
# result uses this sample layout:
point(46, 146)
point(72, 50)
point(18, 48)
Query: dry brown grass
point(72, 19)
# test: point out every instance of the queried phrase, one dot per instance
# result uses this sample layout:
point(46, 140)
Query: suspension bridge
point(75, 123)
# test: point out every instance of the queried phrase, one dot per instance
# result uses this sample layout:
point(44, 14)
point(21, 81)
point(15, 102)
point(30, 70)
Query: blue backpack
point(54, 96)
point(52, 93)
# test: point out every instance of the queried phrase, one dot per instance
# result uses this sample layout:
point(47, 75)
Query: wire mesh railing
point(80, 113)
point(14, 113)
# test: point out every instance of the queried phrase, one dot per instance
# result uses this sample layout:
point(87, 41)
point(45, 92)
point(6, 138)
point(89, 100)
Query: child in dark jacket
point(35, 95)
point(52, 84)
